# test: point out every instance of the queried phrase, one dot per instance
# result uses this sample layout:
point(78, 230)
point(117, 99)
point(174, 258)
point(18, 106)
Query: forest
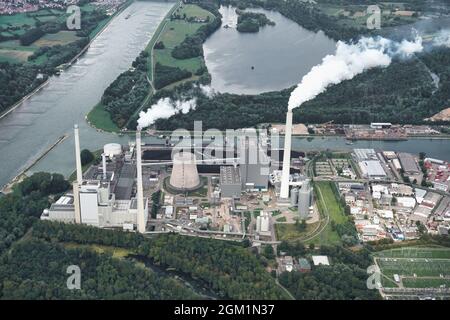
point(126, 94)
point(36, 270)
point(344, 279)
point(192, 46)
point(165, 75)
point(251, 21)
point(229, 269)
point(401, 93)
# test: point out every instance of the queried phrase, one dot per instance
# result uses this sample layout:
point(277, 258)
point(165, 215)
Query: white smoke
point(207, 90)
point(442, 39)
point(163, 109)
point(349, 61)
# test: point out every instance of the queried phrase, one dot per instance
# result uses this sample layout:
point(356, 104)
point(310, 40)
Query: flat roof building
point(230, 182)
point(408, 163)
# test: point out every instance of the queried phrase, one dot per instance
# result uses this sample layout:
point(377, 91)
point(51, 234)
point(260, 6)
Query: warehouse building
point(372, 169)
point(408, 163)
point(230, 182)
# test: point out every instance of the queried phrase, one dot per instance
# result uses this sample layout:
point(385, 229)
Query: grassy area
point(101, 119)
point(12, 51)
point(418, 267)
point(97, 155)
point(328, 206)
point(290, 232)
point(115, 252)
point(172, 33)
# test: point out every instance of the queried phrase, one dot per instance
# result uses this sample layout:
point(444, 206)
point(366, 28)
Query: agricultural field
point(13, 26)
point(416, 267)
point(174, 31)
point(356, 15)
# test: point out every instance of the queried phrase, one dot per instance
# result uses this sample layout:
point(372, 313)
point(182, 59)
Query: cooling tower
point(284, 192)
point(184, 173)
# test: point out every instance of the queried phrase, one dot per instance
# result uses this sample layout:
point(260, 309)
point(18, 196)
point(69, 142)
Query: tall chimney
point(284, 192)
point(78, 181)
point(140, 190)
point(78, 155)
point(104, 165)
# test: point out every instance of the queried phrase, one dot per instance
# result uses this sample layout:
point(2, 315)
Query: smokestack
point(104, 165)
point(284, 192)
point(78, 155)
point(78, 181)
point(140, 190)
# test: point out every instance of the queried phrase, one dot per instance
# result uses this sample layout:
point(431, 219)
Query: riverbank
point(182, 21)
point(93, 36)
point(8, 187)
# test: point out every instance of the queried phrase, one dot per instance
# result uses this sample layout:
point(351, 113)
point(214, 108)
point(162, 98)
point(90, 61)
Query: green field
point(290, 232)
point(15, 25)
point(418, 267)
point(99, 117)
point(172, 33)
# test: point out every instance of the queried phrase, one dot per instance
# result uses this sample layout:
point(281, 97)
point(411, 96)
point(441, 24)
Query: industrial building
point(254, 164)
point(230, 182)
point(408, 163)
point(305, 200)
point(263, 224)
point(105, 200)
point(184, 175)
point(372, 169)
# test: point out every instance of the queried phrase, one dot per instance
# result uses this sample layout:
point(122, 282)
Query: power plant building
point(184, 172)
point(93, 201)
point(230, 182)
point(254, 165)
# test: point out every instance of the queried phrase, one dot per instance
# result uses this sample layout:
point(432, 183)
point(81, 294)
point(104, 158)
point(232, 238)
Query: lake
point(281, 55)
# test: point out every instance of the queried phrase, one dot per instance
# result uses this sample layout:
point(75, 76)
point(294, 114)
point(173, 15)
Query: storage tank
point(112, 149)
point(304, 200)
point(294, 197)
point(184, 173)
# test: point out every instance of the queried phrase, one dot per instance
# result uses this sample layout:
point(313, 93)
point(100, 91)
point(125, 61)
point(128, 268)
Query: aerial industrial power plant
point(255, 150)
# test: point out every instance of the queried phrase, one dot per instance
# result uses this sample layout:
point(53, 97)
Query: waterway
point(51, 113)
point(280, 55)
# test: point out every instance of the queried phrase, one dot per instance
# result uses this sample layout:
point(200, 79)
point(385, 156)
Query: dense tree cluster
point(251, 21)
point(165, 75)
point(402, 93)
point(19, 208)
point(34, 269)
point(226, 268)
point(192, 46)
point(345, 278)
point(16, 80)
point(127, 93)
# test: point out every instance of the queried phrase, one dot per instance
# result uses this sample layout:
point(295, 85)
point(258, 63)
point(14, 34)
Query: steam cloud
point(349, 61)
point(163, 109)
point(443, 39)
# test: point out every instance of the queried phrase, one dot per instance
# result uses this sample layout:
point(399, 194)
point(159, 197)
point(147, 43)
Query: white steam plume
point(207, 90)
point(442, 39)
point(349, 61)
point(163, 109)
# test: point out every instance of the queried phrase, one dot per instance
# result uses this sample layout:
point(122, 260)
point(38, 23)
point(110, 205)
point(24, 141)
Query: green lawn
point(101, 119)
point(328, 205)
point(172, 33)
point(290, 232)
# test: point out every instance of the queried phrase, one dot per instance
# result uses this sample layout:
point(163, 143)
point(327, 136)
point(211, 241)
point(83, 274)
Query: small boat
point(349, 143)
point(128, 16)
point(253, 67)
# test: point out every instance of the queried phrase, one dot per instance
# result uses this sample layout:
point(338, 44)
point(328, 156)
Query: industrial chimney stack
point(79, 180)
point(140, 190)
point(284, 192)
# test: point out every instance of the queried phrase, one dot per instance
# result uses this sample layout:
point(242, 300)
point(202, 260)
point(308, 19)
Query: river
point(281, 55)
point(51, 113)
